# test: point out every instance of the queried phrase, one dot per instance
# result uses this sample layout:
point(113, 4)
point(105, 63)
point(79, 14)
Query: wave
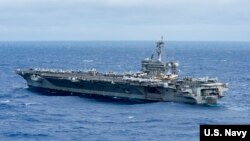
point(87, 61)
point(23, 134)
point(130, 117)
point(5, 101)
point(4, 64)
point(238, 108)
point(130, 121)
point(29, 104)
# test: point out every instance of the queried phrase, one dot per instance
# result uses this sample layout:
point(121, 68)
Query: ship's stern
point(210, 93)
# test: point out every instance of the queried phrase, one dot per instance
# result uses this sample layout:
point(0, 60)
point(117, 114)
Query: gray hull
point(112, 89)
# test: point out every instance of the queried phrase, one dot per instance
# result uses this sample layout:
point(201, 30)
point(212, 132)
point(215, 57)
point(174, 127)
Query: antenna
point(159, 47)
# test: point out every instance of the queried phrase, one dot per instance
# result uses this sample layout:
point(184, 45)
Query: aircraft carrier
point(157, 81)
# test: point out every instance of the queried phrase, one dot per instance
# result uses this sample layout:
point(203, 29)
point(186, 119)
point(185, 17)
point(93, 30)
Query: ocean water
point(27, 115)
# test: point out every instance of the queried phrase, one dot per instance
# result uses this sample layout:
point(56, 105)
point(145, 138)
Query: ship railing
point(201, 79)
point(140, 79)
point(48, 70)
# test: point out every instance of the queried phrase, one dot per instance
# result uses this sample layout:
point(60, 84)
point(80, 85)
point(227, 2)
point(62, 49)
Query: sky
point(84, 20)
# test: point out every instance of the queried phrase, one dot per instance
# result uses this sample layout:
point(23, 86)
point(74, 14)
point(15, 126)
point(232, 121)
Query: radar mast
point(159, 48)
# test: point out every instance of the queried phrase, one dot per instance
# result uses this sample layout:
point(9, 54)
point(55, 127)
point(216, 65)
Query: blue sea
point(28, 115)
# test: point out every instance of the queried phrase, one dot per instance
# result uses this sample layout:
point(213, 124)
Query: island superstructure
point(157, 81)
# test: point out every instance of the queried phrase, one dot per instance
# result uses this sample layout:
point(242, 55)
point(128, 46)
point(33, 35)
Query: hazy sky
point(195, 20)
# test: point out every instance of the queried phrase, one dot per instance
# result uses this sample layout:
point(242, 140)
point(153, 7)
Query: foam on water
point(5, 101)
point(130, 117)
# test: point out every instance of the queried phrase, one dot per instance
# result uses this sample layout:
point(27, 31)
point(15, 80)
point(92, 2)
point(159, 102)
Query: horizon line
point(122, 41)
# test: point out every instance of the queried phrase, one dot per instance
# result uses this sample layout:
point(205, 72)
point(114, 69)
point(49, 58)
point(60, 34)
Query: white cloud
point(161, 3)
point(125, 2)
point(179, 17)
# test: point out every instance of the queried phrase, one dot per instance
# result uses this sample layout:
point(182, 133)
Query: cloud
point(163, 3)
point(131, 18)
point(125, 3)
